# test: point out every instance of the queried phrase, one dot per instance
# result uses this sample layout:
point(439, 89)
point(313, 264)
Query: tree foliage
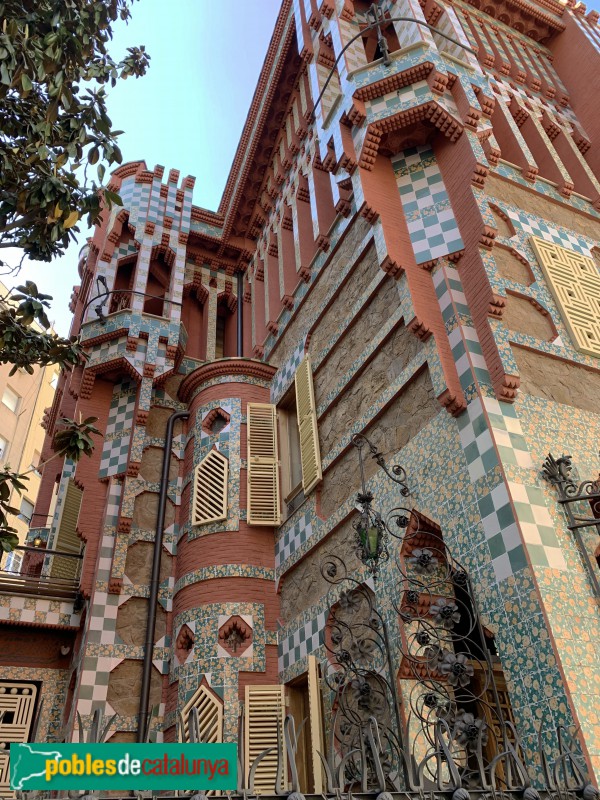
point(73, 441)
point(54, 125)
point(56, 141)
point(25, 338)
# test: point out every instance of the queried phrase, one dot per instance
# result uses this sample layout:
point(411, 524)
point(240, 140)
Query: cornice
point(266, 90)
point(246, 367)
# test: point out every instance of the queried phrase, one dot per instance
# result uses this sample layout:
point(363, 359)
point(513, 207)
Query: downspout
point(240, 314)
point(155, 578)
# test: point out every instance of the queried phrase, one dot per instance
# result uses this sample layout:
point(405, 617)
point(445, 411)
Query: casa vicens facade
point(374, 372)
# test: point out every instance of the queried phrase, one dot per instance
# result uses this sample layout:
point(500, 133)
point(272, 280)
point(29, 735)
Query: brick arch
point(502, 217)
point(512, 265)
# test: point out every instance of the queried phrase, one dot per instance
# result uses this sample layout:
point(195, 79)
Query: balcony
point(52, 574)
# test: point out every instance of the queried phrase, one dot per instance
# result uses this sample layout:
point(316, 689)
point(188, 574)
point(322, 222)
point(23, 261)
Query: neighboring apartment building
point(23, 400)
point(407, 249)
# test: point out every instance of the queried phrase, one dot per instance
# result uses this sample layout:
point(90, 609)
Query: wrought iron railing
point(43, 573)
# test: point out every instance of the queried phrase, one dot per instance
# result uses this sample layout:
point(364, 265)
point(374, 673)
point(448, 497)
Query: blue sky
point(188, 112)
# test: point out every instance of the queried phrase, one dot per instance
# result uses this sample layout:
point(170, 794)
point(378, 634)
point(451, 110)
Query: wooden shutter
point(209, 503)
point(263, 466)
point(264, 713)
point(67, 539)
point(316, 723)
point(574, 281)
point(210, 716)
point(487, 707)
point(307, 425)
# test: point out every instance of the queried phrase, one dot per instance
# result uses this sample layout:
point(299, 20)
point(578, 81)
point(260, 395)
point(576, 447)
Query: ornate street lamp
point(371, 529)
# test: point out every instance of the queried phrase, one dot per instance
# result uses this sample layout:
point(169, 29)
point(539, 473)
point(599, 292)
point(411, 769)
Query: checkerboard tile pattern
point(292, 537)
point(393, 102)
point(535, 226)
point(118, 431)
point(302, 642)
point(43, 612)
point(476, 441)
point(431, 223)
point(100, 656)
point(285, 375)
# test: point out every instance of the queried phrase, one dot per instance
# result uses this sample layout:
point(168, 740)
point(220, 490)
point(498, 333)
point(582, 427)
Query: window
point(26, 511)
point(19, 704)
point(220, 337)
point(35, 463)
point(264, 712)
point(207, 723)
point(291, 460)
point(209, 502)
point(305, 703)
point(11, 399)
point(13, 562)
point(574, 281)
point(263, 466)
point(67, 539)
point(307, 425)
point(3, 449)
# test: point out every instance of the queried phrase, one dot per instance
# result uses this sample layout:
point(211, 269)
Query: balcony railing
point(43, 573)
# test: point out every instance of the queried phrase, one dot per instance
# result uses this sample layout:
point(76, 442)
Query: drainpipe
point(240, 314)
point(154, 580)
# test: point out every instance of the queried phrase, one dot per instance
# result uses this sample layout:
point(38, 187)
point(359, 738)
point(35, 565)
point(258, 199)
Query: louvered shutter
point(316, 723)
point(210, 716)
point(574, 281)
point(307, 425)
point(264, 713)
point(263, 466)
point(209, 502)
point(67, 539)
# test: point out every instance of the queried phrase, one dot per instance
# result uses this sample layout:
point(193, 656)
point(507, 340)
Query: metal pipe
point(155, 577)
point(240, 314)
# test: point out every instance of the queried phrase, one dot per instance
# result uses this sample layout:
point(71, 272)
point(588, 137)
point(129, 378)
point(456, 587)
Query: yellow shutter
point(307, 425)
point(574, 281)
point(263, 466)
point(264, 713)
point(210, 717)
point(316, 723)
point(67, 539)
point(209, 503)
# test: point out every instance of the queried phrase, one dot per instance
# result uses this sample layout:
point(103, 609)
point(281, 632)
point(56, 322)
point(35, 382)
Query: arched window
point(159, 276)
point(225, 338)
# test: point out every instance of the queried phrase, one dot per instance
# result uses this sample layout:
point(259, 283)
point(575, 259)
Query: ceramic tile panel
point(118, 430)
point(430, 219)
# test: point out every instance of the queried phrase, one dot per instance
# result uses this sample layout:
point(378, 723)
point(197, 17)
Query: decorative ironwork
point(371, 529)
point(418, 711)
point(578, 500)
point(414, 707)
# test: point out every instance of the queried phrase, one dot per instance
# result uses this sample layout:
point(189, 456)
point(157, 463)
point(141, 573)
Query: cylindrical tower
point(225, 606)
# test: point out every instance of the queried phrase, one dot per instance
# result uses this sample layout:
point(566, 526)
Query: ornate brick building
point(406, 249)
